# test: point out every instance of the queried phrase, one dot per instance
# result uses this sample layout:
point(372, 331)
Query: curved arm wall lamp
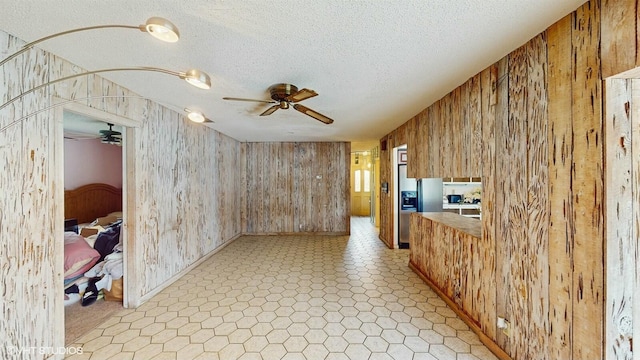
point(194, 77)
point(64, 102)
point(160, 28)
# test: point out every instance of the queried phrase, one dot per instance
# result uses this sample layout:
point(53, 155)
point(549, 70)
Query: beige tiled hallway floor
point(293, 297)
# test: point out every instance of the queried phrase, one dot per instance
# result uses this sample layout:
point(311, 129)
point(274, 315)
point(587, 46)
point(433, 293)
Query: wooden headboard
point(91, 201)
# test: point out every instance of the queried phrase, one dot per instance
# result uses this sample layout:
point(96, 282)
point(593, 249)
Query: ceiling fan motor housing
point(280, 91)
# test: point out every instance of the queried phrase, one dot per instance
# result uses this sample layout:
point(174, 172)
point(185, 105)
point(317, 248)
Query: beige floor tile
point(152, 329)
point(96, 344)
point(125, 336)
point(288, 298)
point(176, 343)
point(164, 336)
point(136, 344)
point(216, 344)
point(142, 322)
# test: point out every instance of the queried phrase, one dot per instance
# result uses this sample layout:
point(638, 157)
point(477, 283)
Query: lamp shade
point(162, 29)
point(196, 116)
point(198, 79)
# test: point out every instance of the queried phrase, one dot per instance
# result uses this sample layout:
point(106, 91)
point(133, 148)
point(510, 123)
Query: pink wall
point(90, 161)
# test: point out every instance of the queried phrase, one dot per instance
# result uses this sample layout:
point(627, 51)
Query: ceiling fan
point(111, 136)
point(283, 95)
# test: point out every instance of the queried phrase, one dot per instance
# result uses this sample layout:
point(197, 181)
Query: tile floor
point(293, 297)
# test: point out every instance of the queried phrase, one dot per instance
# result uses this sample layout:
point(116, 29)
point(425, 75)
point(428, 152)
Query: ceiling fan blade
point(254, 100)
point(270, 110)
point(314, 114)
point(301, 95)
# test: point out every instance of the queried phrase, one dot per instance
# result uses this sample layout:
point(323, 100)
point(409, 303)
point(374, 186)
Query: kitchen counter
point(467, 225)
point(460, 206)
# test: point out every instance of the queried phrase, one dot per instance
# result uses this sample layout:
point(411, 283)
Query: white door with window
point(361, 167)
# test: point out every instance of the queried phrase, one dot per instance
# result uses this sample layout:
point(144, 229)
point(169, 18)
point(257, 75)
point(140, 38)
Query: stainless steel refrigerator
point(421, 195)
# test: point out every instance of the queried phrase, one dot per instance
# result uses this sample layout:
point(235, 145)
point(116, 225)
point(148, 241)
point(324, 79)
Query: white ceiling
point(374, 63)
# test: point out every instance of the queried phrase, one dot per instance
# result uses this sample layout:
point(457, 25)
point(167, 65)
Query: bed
point(91, 201)
point(83, 207)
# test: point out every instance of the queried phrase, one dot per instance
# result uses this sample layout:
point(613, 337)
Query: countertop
point(465, 224)
point(460, 206)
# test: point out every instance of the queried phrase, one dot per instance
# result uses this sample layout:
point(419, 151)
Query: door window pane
point(357, 180)
point(367, 181)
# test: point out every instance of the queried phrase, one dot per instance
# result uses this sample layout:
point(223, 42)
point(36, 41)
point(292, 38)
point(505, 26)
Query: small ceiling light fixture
point(159, 28)
point(196, 116)
point(198, 79)
point(194, 77)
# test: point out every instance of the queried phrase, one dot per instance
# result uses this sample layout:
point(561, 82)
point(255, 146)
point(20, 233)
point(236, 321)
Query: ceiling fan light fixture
point(198, 78)
point(161, 29)
point(284, 105)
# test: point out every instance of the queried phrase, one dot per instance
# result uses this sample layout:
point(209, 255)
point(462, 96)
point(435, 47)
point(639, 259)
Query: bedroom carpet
point(79, 320)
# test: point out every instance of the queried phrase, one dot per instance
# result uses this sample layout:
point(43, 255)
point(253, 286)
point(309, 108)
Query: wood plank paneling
point(423, 153)
point(621, 247)
point(386, 211)
point(475, 126)
point(561, 228)
point(30, 218)
point(446, 141)
point(515, 225)
point(455, 133)
point(485, 269)
point(433, 142)
point(503, 269)
point(466, 131)
point(413, 150)
point(537, 199)
point(619, 46)
point(588, 277)
point(445, 257)
point(297, 187)
point(633, 271)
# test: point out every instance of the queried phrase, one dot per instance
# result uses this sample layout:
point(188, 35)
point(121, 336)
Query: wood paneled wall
point(386, 198)
point(181, 193)
point(532, 127)
point(30, 252)
point(453, 261)
point(297, 188)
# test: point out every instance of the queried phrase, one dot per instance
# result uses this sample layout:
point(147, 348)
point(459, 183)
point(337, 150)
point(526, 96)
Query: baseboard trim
point(146, 297)
point(473, 325)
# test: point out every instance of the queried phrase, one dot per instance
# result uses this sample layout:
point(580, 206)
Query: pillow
point(78, 255)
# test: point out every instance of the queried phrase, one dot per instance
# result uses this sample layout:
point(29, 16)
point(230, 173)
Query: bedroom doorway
point(94, 161)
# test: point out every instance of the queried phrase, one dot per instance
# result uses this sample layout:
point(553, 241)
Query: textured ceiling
point(374, 63)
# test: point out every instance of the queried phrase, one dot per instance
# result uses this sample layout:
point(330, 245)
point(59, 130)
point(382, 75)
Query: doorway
point(97, 120)
point(361, 183)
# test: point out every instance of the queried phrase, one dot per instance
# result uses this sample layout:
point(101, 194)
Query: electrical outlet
point(505, 326)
